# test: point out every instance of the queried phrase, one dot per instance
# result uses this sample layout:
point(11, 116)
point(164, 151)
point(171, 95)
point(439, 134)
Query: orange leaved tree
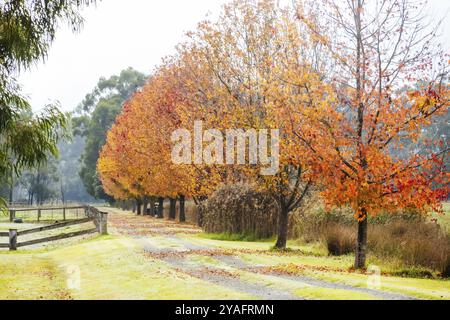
point(251, 64)
point(388, 81)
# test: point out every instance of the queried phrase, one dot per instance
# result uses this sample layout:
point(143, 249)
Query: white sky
point(124, 33)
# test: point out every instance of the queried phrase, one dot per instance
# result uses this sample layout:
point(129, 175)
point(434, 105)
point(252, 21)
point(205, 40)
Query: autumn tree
point(389, 80)
point(136, 160)
point(252, 63)
point(235, 73)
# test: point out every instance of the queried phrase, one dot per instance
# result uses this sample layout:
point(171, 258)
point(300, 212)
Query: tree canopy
point(27, 29)
point(351, 108)
point(94, 117)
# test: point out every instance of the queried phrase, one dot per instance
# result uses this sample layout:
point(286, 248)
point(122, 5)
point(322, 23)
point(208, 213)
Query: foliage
point(28, 141)
point(40, 183)
point(402, 237)
point(27, 29)
point(381, 97)
point(94, 117)
point(70, 185)
point(233, 86)
point(351, 108)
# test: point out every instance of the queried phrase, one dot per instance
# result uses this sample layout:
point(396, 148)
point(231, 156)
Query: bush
point(404, 237)
point(340, 240)
point(240, 209)
point(414, 243)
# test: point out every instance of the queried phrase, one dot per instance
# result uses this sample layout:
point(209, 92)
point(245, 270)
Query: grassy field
point(145, 258)
point(109, 269)
point(444, 220)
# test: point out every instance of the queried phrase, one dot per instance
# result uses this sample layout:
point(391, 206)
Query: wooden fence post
point(103, 223)
point(39, 214)
point(64, 214)
point(12, 215)
point(12, 239)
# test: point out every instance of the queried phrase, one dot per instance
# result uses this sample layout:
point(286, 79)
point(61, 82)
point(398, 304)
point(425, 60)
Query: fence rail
point(99, 218)
point(58, 237)
point(40, 210)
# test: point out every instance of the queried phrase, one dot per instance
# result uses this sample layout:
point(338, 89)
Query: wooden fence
point(99, 218)
point(13, 211)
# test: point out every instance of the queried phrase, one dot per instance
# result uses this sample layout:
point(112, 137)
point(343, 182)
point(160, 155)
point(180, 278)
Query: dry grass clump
point(340, 239)
point(404, 237)
point(240, 209)
point(414, 243)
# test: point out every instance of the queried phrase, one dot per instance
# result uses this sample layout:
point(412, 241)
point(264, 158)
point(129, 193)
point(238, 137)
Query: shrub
point(405, 237)
point(414, 243)
point(240, 209)
point(340, 240)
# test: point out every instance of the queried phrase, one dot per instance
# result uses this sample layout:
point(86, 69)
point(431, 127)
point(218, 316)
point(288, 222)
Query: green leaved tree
point(95, 116)
point(27, 29)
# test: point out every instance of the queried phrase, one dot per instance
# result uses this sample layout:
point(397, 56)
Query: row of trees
point(57, 180)
point(350, 85)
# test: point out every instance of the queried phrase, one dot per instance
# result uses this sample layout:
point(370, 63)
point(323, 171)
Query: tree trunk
point(144, 207)
point(160, 207)
point(283, 219)
point(139, 207)
point(152, 207)
point(361, 245)
point(11, 189)
point(134, 206)
point(182, 209)
point(173, 209)
point(200, 214)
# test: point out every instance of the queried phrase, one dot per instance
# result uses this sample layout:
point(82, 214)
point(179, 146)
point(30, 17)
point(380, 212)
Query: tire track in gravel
point(139, 228)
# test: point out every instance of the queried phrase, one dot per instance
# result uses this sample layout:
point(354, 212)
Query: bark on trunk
point(200, 213)
point(173, 209)
point(134, 207)
point(152, 208)
point(11, 190)
point(160, 207)
point(182, 209)
point(283, 219)
point(139, 207)
point(361, 245)
point(144, 207)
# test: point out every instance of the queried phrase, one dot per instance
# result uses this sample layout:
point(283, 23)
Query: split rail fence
point(91, 214)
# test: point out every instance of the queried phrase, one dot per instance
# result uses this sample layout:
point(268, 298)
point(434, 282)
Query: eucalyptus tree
point(27, 29)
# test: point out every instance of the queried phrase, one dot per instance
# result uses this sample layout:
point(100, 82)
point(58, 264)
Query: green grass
point(263, 245)
point(296, 287)
point(31, 277)
point(46, 215)
point(18, 226)
point(304, 290)
point(113, 267)
point(109, 268)
point(419, 288)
